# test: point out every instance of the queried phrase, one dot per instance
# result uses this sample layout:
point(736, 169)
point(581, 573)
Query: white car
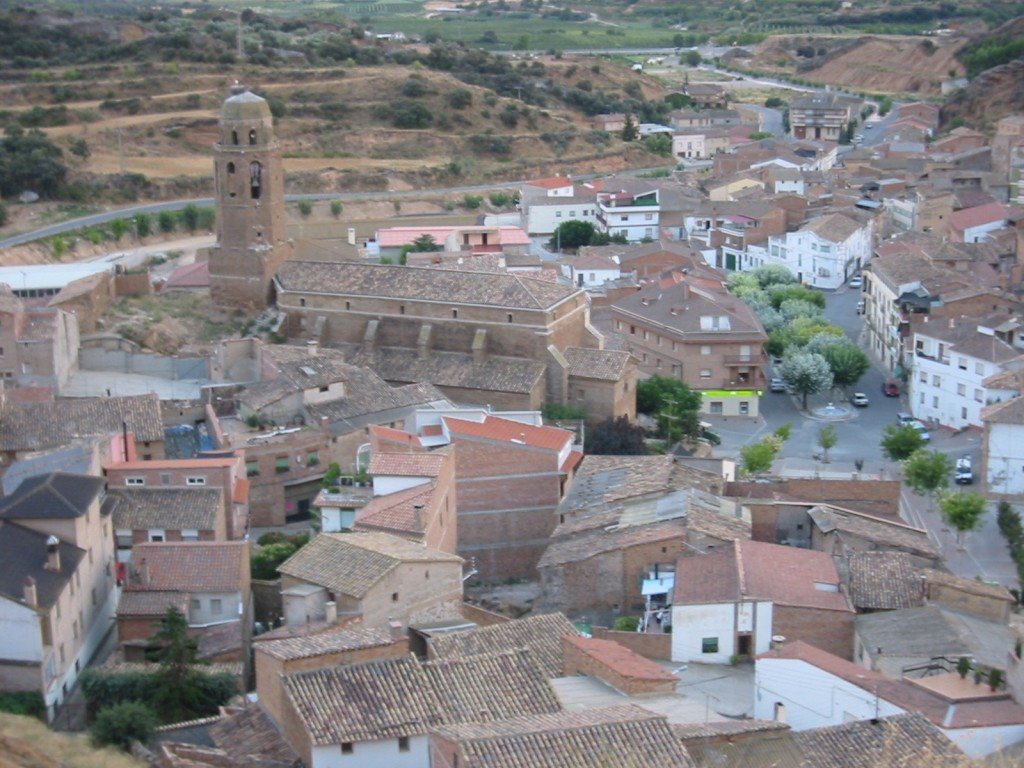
point(856, 281)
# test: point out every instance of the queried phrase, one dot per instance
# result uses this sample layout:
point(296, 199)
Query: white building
point(825, 252)
point(590, 270)
point(633, 213)
point(809, 688)
point(546, 203)
point(952, 360)
point(1002, 447)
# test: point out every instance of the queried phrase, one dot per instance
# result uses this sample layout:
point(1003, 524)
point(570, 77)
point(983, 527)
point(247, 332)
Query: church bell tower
point(252, 238)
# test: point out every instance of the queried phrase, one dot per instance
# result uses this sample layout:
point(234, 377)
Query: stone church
point(486, 338)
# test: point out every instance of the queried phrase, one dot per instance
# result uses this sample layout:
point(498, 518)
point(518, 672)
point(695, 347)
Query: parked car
point(777, 385)
point(856, 281)
point(903, 418)
point(964, 471)
point(860, 400)
point(922, 430)
point(860, 307)
point(891, 388)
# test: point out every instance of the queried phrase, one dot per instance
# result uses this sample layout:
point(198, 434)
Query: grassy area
point(25, 741)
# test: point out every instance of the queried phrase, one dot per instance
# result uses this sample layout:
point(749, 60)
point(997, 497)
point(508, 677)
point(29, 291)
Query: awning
point(660, 586)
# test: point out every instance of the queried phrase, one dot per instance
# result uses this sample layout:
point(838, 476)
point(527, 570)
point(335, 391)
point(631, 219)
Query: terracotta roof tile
point(909, 741)
point(966, 218)
point(168, 508)
point(150, 602)
point(406, 464)
point(399, 513)
point(553, 182)
point(322, 643)
point(250, 737)
point(884, 581)
point(620, 659)
point(194, 566)
point(36, 426)
point(605, 364)
point(507, 430)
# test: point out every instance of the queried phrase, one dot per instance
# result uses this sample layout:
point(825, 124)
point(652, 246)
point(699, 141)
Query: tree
point(425, 243)
point(305, 208)
point(119, 228)
point(757, 458)
point(143, 225)
point(122, 724)
point(673, 403)
point(693, 58)
point(899, 442)
point(927, 472)
point(963, 667)
point(1010, 526)
point(827, 439)
point(963, 510)
point(79, 148)
point(190, 217)
point(773, 274)
point(572, 235)
point(616, 437)
point(177, 652)
point(3, 214)
point(166, 222)
point(336, 207)
point(806, 373)
point(29, 160)
point(847, 363)
point(460, 98)
point(629, 129)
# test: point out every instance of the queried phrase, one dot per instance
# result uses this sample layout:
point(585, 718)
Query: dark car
point(891, 388)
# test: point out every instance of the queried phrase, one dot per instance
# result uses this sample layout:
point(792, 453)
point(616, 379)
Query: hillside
point(27, 743)
point(995, 61)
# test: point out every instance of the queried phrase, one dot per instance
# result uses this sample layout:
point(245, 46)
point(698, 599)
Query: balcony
point(933, 358)
point(734, 361)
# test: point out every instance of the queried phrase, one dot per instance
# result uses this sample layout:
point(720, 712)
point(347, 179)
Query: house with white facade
point(826, 251)
point(811, 688)
point(975, 224)
point(731, 602)
point(953, 360)
point(633, 212)
point(1002, 447)
point(700, 144)
point(591, 270)
point(544, 204)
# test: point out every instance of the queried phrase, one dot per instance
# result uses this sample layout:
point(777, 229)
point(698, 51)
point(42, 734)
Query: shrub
point(28, 703)
point(305, 207)
point(472, 201)
point(499, 199)
point(336, 208)
point(460, 98)
point(122, 724)
point(626, 624)
point(166, 222)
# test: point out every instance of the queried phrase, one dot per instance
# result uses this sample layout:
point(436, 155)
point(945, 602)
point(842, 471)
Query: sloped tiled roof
point(621, 659)
point(168, 508)
point(150, 602)
point(604, 364)
point(542, 635)
point(322, 643)
point(194, 566)
point(964, 584)
point(588, 544)
point(23, 554)
point(250, 737)
point(494, 289)
point(908, 740)
point(406, 464)
point(884, 581)
point(57, 495)
point(891, 534)
point(625, 736)
point(508, 430)
point(36, 426)
point(966, 218)
point(1008, 412)
point(606, 479)
point(398, 512)
point(352, 563)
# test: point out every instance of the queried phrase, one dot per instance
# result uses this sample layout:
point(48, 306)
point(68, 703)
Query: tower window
point(255, 180)
point(234, 138)
point(252, 136)
point(231, 167)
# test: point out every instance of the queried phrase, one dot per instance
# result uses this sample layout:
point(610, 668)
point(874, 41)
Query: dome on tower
point(243, 104)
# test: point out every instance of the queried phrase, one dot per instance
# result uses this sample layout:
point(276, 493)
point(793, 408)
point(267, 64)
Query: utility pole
point(120, 151)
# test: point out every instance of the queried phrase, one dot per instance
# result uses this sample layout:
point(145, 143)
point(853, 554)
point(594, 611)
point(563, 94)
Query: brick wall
point(651, 646)
point(136, 628)
point(831, 631)
point(135, 284)
point(577, 661)
point(481, 616)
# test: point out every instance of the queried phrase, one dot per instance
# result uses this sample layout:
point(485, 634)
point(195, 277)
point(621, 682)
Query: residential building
point(812, 688)
point(976, 225)
point(57, 585)
point(645, 260)
point(466, 240)
point(31, 427)
point(225, 473)
point(392, 706)
point(818, 116)
point(546, 203)
point(376, 575)
point(683, 119)
point(563, 739)
point(732, 601)
point(704, 337)
point(826, 251)
point(141, 515)
point(208, 580)
point(952, 361)
point(706, 95)
point(588, 270)
point(883, 581)
point(602, 383)
point(700, 144)
point(632, 211)
point(1002, 447)
point(38, 345)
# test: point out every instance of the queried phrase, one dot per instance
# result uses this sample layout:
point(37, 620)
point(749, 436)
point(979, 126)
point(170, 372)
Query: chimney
point(29, 593)
point(53, 554)
point(418, 514)
point(686, 290)
point(330, 611)
point(396, 630)
point(143, 573)
point(777, 641)
point(312, 348)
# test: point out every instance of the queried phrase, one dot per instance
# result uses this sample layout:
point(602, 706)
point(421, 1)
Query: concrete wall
point(385, 753)
point(1004, 458)
point(691, 624)
point(146, 364)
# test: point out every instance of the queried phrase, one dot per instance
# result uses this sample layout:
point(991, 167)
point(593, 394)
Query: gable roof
point(542, 635)
point(406, 464)
point(509, 431)
point(401, 697)
point(603, 364)
point(23, 553)
point(352, 563)
point(884, 581)
point(1008, 412)
point(54, 496)
point(491, 289)
point(399, 512)
point(977, 216)
point(250, 737)
point(760, 571)
point(889, 534)
point(169, 508)
point(627, 736)
point(35, 426)
point(193, 566)
point(909, 741)
point(331, 641)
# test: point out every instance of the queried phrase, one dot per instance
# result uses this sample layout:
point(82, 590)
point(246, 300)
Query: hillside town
point(736, 484)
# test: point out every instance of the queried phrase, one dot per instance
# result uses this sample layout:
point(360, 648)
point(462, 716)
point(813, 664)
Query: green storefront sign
point(732, 392)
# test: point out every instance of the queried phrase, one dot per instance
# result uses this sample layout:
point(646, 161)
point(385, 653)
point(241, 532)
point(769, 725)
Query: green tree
point(472, 202)
point(119, 228)
point(499, 199)
point(629, 129)
point(963, 667)
point(927, 472)
point(693, 58)
point(460, 98)
point(659, 144)
point(336, 208)
point(207, 219)
point(143, 225)
point(616, 437)
point(3, 214)
point(899, 442)
point(757, 458)
point(79, 148)
point(425, 243)
point(190, 217)
point(805, 373)
point(177, 652)
point(572, 234)
point(122, 724)
point(963, 510)
point(166, 221)
point(1010, 526)
point(827, 439)
point(773, 274)
point(30, 161)
point(847, 363)
point(305, 208)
